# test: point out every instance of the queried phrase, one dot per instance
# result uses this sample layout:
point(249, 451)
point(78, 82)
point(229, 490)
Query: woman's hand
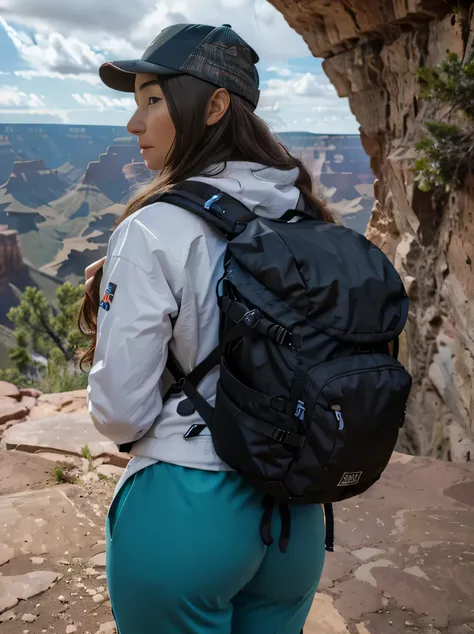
point(90, 272)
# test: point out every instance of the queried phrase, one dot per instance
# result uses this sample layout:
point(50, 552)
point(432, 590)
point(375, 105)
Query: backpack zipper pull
point(338, 414)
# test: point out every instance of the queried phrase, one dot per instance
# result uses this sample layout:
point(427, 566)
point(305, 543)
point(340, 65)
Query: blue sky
point(50, 51)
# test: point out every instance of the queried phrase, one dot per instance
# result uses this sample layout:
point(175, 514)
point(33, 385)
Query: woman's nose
point(136, 125)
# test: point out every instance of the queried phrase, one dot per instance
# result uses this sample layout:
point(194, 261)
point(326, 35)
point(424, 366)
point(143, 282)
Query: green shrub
point(86, 453)
point(445, 157)
point(451, 83)
point(62, 473)
point(60, 378)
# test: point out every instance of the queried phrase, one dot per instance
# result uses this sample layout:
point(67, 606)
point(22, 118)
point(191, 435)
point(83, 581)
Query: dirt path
point(53, 544)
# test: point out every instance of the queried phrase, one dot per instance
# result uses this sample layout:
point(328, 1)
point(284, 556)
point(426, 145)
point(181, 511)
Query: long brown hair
point(239, 136)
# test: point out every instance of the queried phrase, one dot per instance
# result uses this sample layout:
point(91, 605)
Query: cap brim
point(121, 75)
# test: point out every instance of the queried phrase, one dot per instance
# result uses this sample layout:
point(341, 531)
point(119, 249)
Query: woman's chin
point(152, 165)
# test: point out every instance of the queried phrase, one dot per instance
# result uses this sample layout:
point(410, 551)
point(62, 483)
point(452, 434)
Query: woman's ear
point(218, 106)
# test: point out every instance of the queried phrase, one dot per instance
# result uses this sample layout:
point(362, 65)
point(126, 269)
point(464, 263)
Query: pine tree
point(445, 158)
point(47, 330)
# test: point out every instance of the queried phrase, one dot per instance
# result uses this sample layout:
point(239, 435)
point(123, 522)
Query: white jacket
point(163, 264)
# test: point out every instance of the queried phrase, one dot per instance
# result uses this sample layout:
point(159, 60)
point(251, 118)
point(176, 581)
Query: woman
point(184, 552)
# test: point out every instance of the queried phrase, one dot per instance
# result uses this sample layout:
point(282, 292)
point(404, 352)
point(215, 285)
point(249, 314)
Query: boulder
point(30, 391)
point(65, 433)
point(63, 399)
point(12, 412)
point(7, 389)
point(28, 401)
point(64, 402)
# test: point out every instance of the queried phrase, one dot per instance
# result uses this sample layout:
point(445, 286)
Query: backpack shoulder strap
point(220, 210)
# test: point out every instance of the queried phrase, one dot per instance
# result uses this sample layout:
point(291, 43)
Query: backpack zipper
point(337, 408)
point(365, 371)
point(338, 414)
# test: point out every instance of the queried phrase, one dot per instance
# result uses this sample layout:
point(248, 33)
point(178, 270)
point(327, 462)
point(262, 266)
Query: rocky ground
point(403, 563)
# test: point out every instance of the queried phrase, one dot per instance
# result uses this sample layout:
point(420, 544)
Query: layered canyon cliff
point(13, 270)
point(372, 50)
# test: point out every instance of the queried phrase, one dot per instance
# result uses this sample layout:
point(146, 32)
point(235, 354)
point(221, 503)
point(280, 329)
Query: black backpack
point(310, 398)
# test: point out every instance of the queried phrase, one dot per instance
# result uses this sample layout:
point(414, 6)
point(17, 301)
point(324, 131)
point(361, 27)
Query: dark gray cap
point(214, 54)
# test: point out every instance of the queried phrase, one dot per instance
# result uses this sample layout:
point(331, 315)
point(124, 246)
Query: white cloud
point(127, 28)
point(320, 108)
point(257, 21)
point(304, 101)
point(34, 101)
point(15, 103)
point(54, 52)
point(72, 15)
point(91, 78)
point(12, 96)
point(298, 96)
point(33, 113)
point(91, 31)
point(103, 102)
point(271, 107)
point(282, 72)
point(230, 5)
point(307, 85)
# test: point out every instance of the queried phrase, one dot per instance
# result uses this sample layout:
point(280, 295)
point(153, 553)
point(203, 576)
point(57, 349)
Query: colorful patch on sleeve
point(108, 296)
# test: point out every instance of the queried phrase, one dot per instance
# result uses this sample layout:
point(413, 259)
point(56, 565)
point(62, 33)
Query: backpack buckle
point(251, 318)
point(280, 335)
point(211, 202)
point(280, 435)
point(178, 387)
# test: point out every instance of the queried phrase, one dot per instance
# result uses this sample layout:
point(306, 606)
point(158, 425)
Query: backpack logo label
point(300, 410)
point(108, 296)
point(350, 478)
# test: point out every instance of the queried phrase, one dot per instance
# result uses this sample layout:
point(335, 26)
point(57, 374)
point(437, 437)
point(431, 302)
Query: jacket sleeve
point(134, 330)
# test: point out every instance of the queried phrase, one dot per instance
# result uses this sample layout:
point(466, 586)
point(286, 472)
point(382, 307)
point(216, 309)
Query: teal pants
point(185, 556)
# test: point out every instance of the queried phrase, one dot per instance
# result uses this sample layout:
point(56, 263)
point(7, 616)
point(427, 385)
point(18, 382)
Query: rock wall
point(11, 260)
point(372, 50)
